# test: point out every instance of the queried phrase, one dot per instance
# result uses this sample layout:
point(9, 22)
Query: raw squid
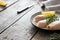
point(41, 24)
point(54, 25)
point(38, 18)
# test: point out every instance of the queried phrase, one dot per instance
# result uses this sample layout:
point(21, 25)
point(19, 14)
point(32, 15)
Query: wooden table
point(15, 26)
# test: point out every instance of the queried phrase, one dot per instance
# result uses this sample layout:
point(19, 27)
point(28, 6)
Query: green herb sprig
point(54, 36)
point(51, 19)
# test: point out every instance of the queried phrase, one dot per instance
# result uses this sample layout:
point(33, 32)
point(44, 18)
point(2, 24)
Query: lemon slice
point(3, 3)
point(48, 13)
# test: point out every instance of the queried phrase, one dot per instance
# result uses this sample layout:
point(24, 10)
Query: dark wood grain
point(22, 29)
point(41, 35)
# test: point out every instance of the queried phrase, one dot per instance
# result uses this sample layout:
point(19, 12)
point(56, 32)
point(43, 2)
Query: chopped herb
point(51, 19)
point(54, 36)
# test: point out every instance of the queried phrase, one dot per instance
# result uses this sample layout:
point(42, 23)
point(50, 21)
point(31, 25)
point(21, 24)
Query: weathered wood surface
point(41, 35)
point(52, 2)
point(19, 27)
point(10, 16)
point(44, 34)
point(23, 29)
point(9, 3)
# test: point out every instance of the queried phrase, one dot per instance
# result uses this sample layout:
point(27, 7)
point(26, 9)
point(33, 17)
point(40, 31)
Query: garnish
point(3, 3)
point(54, 36)
point(51, 19)
point(50, 16)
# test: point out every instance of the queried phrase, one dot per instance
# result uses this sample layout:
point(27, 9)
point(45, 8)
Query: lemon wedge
point(3, 3)
point(48, 13)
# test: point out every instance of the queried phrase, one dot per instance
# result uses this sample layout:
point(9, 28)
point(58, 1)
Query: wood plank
point(10, 16)
point(44, 34)
point(55, 8)
point(9, 3)
point(52, 2)
point(18, 32)
point(41, 35)
point(23, 29)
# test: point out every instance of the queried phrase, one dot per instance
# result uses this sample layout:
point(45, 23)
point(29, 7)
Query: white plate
point(39, 13)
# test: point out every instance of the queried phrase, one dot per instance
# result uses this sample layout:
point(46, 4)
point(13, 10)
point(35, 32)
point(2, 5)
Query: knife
point(18, 12)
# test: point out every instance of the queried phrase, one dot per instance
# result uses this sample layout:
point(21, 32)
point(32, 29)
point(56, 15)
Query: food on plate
point(54, 25)
point(3, 3)
point(38, 18)
point(41, 24)
point(48, 20)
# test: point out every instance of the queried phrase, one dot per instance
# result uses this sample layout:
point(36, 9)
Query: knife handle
point(18, 12)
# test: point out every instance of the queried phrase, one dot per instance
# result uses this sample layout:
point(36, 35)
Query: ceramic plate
point(39, 13)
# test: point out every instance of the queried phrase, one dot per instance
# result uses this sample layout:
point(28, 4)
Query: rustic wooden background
point(15, 26)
